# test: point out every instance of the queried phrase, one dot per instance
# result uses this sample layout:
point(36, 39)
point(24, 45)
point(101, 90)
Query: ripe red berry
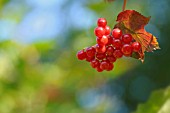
point(111, 59)
point(102, 22)
point(111, 66)
point(104, 65)
point(99, 31)
point(81, 55)
point(102, 40)
point(128, 55)
point(110, 39)
point(100, 49)
point(116, 33)
point(117, 43)
point(127, 38)
point(109, 51)
point(136, 46)
point(95, 63)
point(107, 30)
point(100, 56)
point(99, 69)
point(89, 59)
point(126, 49)
point(117, 53)
point(90, 51)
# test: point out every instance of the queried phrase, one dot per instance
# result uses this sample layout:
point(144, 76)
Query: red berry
point(100, 49)
point(117, 43)
point(81, 55)
point(110, 39)
point(89, 59)
point(101, 22)
point(90, 51)
point(128, 55)
point(107, 30)
point(111, 59)
point(99, 31)
point(116, 33)
point(99, 69)
point(111, 66)
point(104, 65)
point(95, 63)
point(109, 51)
point(136, 46)
point(100, 56)
point(126, 49)
point(102, 40)
point(117, 53)
point(127, 38)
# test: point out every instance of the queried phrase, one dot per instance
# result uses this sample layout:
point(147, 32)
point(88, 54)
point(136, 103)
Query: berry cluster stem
point(124, 5)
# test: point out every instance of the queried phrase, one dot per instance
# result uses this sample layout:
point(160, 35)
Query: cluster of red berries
point(111, 45)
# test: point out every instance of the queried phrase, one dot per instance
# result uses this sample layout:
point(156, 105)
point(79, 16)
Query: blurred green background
point(39, 71)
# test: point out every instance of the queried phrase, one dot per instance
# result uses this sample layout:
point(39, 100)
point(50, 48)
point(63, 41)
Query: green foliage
point(158, 103)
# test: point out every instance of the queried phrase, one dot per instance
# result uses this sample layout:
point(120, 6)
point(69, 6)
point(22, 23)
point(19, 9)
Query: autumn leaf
point(131, 21)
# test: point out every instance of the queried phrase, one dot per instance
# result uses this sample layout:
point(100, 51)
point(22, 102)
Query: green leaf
point(159, 102)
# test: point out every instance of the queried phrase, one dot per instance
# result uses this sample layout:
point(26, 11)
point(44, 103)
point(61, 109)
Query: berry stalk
point(124, 5)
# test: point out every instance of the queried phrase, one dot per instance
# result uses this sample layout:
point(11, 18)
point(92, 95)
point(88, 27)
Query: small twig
point(124, 5)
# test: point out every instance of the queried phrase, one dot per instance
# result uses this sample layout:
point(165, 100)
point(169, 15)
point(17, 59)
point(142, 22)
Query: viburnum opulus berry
point(110, 39)
point(101, 22)
point(99, 69)
point(111, 45)
point(104, 65)
point(89, 59)
point(95, 63)
point(111, 59)
point(100, 56)
point(117, 43)
point(90, 51)
point(107, 30)
point(118, 53)
point(100, 48)
point(99, 31)
point(81, 55)
point(109, 51)
point(116, 33)
point(136, 46)
point(126, 49)
point(127, 38)
point(102, 41)
point(111, 66)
